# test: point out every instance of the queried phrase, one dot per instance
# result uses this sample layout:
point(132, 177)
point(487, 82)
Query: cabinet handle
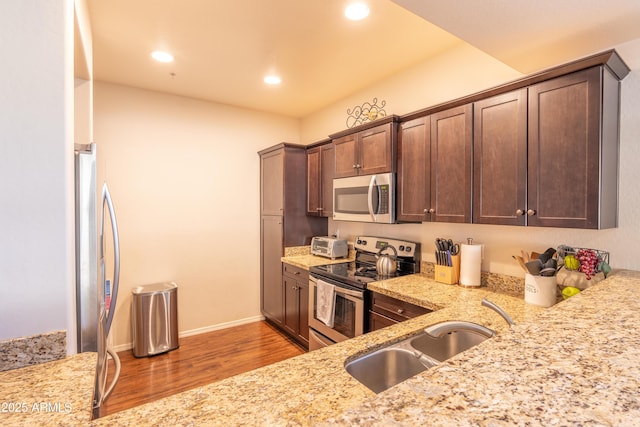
point(297, 273)
point(400, 310)
point(358, 166)
point(426, 211)
point(355, 166)
point(318, 209)
point(519, 212)
point(531, 212)
point(432, 210)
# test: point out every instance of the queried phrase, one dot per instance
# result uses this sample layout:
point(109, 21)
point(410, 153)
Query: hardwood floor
point(200, 360)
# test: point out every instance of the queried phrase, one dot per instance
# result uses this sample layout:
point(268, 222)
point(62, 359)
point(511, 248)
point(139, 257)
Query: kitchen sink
point(444, 340)
point(397, 362)
point(389, 366)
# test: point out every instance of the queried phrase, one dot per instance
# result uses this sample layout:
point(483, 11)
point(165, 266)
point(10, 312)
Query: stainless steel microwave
point(366, 198)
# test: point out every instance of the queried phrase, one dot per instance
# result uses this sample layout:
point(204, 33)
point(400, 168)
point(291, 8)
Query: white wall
point(36, 166)
point(184, 176)
point(466, 70)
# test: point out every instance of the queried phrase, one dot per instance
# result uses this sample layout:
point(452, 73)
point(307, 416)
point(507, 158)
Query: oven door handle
point(344, 291)
point(372, 185)
point(340, 289)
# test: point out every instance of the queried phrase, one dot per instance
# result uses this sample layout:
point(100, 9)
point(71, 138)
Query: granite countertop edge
point(560, 365)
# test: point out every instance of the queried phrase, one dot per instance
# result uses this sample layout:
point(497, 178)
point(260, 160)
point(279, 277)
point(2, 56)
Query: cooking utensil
point(445, 250)
point(521, 262)
point(547, 255)
point(453, 248)
point(534, 267)
point(386, 265)
point(547, 272)
point(525, 256)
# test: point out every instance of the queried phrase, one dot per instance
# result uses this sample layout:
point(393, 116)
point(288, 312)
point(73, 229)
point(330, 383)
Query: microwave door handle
point(372, 184)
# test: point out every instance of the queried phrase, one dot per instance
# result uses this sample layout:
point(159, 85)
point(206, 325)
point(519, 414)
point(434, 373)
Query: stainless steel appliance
point(350, 311)
point(329, 247)
point(366, 198)
point(95, 298)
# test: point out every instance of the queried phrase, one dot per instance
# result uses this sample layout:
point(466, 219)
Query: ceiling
point(223, 48)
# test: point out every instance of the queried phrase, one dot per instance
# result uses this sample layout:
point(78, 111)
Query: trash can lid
point(153, 288)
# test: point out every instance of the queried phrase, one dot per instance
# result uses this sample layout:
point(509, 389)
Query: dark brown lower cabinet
point(386, 311)
point(295, 288)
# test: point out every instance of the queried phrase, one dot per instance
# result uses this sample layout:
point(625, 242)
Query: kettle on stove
point(386, 265)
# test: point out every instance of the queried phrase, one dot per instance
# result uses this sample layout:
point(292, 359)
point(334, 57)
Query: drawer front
point(293, 271)
point(394, 308)
point(378, 321)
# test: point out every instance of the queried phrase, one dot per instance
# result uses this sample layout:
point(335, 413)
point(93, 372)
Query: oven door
point(349, 312)
point(367, 198)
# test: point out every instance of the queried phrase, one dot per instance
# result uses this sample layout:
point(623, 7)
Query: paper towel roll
point(470, 262)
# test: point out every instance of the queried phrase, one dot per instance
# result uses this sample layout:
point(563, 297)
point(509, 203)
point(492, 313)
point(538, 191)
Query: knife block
point(449, 275)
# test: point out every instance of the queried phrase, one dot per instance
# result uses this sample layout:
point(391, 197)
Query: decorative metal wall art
point(367, 112)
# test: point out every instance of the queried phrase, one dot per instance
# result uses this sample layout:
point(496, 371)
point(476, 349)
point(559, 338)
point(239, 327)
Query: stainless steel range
point(338, 295)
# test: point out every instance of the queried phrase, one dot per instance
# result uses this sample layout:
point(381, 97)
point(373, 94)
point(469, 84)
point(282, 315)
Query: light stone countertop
point(574, 363)
point(55, 393)
point(577, 363)
point(307, 260)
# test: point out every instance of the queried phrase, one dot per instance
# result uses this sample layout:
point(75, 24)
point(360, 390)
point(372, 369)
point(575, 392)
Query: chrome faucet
point(498, 310)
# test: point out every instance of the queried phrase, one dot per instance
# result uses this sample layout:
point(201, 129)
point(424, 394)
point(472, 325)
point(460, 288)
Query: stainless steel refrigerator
point(95, 298)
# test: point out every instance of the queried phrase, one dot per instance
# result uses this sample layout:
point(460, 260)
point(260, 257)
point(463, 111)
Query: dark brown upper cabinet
point(573, 151)
point(500, 159)
point(283, 220)
point(545, 151)
point(414, 170)
point(367, 151)
point(451, 154)
point(320, 173)
point(434, 167)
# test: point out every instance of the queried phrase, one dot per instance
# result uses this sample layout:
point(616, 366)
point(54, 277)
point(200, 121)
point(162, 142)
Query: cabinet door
point(414, 170)
point(327, 172)
point(564, 150)
point(303, 310)
point(346, 156)
point(272, 183)
point(375, 150)
point(451, 145)
point(271, 266)
point(314, 185)
point(500, 159)
point(291, 316)
point(378, 321)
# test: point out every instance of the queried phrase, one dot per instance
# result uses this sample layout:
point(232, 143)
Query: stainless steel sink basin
point(397, 362)
point(444, 340)
point(389, 366)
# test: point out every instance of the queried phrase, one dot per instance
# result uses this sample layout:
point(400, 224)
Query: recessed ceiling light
point(356, 11)
point(272, 80)
point(161, 56)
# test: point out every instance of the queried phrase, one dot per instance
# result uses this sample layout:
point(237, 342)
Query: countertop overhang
point(577, 362)
point(574, 363)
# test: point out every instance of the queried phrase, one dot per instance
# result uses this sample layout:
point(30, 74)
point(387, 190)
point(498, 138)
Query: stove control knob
point(408, 248)
point(359, 241)
point(401, 247)
point(364, 242)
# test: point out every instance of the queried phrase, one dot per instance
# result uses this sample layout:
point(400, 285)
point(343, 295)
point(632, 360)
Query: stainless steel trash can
point(154, 319)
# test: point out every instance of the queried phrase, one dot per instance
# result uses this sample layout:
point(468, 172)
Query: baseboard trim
point(198, 331)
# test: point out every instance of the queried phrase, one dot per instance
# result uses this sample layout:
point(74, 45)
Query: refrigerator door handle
point(106, 199)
